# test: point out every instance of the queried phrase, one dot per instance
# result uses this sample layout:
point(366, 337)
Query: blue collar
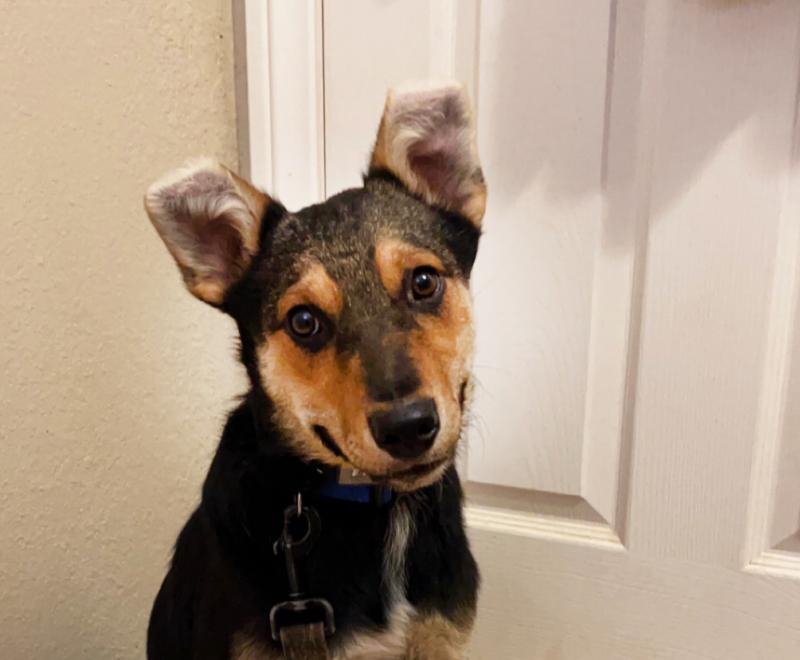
point(336, 487)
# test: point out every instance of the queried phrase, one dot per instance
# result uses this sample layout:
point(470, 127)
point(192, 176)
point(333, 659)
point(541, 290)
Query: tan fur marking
point(315, 287)
point(319, 387)
point(248, 647)
point(322, 389)
point(442, 350)
point(380, 159)
point(434, 637)
point(475, 206)
point(255, 200)
point(208, 290)
point(394, 257)
point(429, 637)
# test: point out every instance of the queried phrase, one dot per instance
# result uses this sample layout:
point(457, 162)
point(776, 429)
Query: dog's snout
point(406, 430)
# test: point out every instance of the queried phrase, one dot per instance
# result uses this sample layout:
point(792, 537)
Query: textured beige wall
point(113, 381)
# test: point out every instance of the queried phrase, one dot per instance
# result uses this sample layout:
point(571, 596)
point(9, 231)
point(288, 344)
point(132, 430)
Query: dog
point(330, 523)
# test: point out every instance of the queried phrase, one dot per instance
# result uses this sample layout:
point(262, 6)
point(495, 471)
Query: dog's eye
point(303, 323)
point(425, 283)
point(308, 327)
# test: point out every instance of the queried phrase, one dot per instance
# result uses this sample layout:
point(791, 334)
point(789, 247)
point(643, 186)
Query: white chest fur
point(391, 642)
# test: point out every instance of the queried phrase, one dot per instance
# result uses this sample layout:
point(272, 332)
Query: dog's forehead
point(351, 223)
point(342, 234)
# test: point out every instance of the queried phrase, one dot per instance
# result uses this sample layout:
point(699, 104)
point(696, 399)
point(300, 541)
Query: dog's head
point(354, 314)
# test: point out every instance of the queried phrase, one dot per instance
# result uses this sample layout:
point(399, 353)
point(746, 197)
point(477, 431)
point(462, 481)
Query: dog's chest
point(391, 641)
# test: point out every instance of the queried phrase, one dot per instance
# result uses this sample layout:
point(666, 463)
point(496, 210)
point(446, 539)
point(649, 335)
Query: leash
point(305, 642)
point(301, 623)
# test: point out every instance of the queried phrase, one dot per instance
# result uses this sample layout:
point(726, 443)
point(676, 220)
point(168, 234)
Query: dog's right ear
point(210, 220)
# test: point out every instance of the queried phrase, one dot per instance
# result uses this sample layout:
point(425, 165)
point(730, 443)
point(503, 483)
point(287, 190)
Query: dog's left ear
point(427, 140)
point(210, 221)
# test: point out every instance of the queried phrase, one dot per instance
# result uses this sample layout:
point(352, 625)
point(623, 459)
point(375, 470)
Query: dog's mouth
point(328, 441)
point(417, 471)
point(412, 473)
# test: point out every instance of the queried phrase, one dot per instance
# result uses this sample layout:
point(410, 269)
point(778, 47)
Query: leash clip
point(300, 612)
point(301, 529)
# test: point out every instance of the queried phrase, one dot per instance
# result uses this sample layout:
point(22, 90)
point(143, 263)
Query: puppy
point(330, 523)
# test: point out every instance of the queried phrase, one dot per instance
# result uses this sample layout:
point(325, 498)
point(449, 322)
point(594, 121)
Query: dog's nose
point(406, 430)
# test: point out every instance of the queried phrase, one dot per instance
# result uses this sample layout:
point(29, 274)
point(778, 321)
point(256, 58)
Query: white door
point(634, 463)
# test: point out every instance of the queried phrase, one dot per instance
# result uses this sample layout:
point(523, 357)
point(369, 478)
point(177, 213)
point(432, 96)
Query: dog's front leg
point(435, 637)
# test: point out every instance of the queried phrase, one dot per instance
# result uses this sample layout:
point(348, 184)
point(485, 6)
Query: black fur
point(224, 577)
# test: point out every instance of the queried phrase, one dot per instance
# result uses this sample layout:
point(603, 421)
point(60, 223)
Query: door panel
point(541, 146)
point(721, 150)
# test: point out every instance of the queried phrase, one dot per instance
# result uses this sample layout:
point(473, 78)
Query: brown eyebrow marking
point(394, 257)
point(315, 287)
